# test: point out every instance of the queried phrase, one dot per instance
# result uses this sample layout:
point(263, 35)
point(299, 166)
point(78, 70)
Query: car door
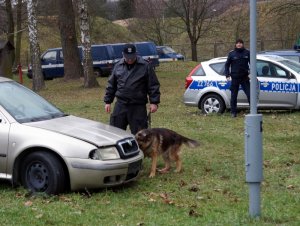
point(277, 88)
point(60, 70)
point(49, 64)
point(4, 131)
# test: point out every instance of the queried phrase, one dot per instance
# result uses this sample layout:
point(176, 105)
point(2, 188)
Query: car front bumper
point(90, 173)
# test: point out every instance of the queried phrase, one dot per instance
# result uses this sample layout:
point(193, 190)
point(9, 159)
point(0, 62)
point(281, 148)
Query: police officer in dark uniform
point(133, 82)
point(237, 71)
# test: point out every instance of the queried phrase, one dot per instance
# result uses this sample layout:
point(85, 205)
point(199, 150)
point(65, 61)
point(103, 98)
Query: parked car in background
point(166, 54)
point(52, 61)
point(289, 54)
point(46, 150)
point(279, 85)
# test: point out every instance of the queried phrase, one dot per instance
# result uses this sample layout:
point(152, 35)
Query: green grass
point(210, 191)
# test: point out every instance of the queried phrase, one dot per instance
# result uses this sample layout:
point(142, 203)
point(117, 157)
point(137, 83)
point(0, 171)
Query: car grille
point(128, 148)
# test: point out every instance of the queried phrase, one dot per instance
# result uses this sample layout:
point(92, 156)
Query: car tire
point(212, 103)
point(42, 172)
point(98, 72)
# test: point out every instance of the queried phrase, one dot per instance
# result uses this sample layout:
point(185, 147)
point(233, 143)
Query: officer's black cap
point(129, 51)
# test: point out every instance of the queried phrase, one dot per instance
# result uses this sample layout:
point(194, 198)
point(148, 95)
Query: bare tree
point(18, 32)
point(89, 76)
point(197, 16)
point(286, 7)
point(287, 25)
point(37, 75)
point(151, 23)
point(10, 25)
point(72, 64)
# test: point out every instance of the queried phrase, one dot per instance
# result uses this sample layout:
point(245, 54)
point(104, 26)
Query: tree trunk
point(89, 76)
point(72, 63)
point(194, 51)
point(10, 27)
point(19, 33)
point(37, 74)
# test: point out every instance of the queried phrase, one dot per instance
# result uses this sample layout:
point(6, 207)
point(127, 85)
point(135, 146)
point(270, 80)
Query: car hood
point(93, 132)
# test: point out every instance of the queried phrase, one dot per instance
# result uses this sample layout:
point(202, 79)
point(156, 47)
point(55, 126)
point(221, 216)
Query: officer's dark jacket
point(237, 64)
point(133, 86)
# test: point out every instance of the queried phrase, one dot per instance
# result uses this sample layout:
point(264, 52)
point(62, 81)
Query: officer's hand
point(153, 108)
point(107, 108)
point(228, 78)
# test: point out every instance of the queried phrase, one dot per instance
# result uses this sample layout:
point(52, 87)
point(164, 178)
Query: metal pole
point(253, 128)
point(253, 98)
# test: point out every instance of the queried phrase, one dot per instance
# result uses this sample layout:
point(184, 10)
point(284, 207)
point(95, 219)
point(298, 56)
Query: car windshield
point(25, 105)
point(168, 50)
point(291, 64)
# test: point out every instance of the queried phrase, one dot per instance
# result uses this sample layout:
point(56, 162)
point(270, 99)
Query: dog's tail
point(190, 143)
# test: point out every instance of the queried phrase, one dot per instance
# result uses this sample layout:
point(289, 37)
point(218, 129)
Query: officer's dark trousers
point(235, 84)
point(134, 115)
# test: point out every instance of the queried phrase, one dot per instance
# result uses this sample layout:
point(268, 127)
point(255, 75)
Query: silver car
point(45, 150)
point(278, 80)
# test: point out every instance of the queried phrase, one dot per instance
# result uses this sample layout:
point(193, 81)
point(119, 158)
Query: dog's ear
point(142, 135)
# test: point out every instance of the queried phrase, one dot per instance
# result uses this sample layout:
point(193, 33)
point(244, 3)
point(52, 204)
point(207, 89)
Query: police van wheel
point(212, 103)
point(98, 72)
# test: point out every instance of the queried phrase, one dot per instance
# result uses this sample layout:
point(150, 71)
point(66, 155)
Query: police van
point(147, 50)
point(278, 79)
point(52, 61)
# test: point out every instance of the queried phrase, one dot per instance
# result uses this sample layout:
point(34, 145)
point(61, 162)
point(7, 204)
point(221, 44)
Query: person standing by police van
point(134, 83)
point(237, 71)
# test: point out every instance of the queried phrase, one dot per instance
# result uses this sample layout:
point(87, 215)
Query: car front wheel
point(42, 172)
point(212, 103)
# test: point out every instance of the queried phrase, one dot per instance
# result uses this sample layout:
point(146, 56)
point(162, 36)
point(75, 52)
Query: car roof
point(4, 79)
point(282, 52)
point(258, 57)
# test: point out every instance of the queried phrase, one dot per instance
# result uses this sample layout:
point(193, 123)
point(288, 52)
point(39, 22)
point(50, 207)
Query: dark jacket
point(237, 64)
point(133, 86)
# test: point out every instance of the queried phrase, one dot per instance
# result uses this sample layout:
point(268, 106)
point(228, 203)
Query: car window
point(51, 55)
point(267, 69)
point(25, 105)
point(263, 69)
point(294, 58)
point(291, 64)
point(168, 50)
point(61, 55)
point(199, 71)
point(218, 67)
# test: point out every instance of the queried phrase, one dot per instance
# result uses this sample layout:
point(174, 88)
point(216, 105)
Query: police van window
point(61, 55)
point(218, 67)
point(50, 55)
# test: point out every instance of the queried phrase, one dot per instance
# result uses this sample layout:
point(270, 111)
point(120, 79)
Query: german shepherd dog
point(159, 141)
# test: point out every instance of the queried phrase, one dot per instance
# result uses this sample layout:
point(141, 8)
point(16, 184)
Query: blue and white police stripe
point(283, 87)
point(197, 85)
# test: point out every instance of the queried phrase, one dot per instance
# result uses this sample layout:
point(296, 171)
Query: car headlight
point(105, 153)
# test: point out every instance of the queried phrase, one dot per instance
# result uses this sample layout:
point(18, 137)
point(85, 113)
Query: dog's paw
point(152, 175)
point(164, 170)
point(178, 170)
